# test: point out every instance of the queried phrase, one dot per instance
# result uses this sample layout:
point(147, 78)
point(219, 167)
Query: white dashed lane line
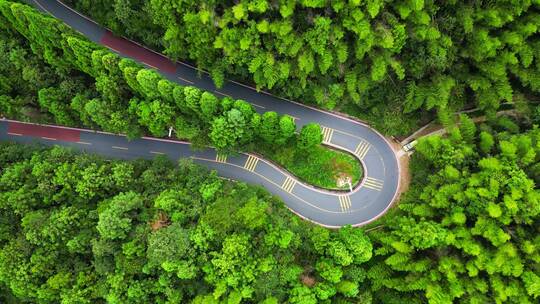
point(119, 148)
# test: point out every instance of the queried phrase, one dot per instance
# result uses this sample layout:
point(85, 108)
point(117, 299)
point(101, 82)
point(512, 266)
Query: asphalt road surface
point(368, 201)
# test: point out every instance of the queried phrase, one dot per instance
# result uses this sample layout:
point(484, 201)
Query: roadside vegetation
point(55, 75)
point(396, 64)
point(317, 166)
point(75, 228)
point(467, 229)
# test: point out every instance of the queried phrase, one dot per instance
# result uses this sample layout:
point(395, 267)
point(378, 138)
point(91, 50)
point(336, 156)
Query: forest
point(392, 63)
point(80, 228)
point(79, 83)
point(77, 228)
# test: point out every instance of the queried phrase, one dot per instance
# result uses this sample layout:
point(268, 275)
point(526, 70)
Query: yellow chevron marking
point(344, 202)
point(288, 184)
point(327, 134)
point(221, 158)
point(251, 163)
point(373, 183)
point(362, 149)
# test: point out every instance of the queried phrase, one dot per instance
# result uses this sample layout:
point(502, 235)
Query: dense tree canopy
point(468, 230)
point(124, 97)
point(56, 75)
point(361, 56)
point(79, 229)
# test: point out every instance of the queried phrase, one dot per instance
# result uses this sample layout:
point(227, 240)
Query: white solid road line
point(112, 48)
point(185, 80)
point(149, 65)
point(36, 2)
point(223, 94)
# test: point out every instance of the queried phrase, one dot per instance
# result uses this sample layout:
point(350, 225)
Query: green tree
point(269, 127)
point(310, 137)
point(486, 142)
point(192, 97)
point(115, 221)
point(287, 127)
point(209, 106)
point(467, 128)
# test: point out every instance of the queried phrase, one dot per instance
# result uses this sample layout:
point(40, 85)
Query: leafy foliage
point(151, 233)
point(120, 96)
point(468, 232)
point(358, 56)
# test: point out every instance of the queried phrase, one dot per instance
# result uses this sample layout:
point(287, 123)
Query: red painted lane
point(138, 52)
point(44, 131)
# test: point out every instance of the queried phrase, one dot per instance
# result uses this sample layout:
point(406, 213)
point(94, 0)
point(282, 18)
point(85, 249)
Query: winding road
point(368, 201)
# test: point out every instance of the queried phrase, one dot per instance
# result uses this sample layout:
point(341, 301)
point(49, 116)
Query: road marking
point(251, 163)
point(188, 81)
point(258, 106)
point(274, 183)
point(362, 149)
point(42, 7)
point(373, 183)
point(14, 134)
point(156, 152)
point(288, 184)
point(119, 148)
point(220, 93)
point(83, 143)
point(220, 158)
point(150, 66)
point(48, 138)
point(327, 134)
point(112, 48)
point(344, 202)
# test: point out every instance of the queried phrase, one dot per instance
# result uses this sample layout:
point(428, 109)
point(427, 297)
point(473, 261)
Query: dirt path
point(405, 176)
point(433, 128)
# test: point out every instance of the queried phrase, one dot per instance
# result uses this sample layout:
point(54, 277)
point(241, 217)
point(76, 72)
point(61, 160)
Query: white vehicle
point(410, 146)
